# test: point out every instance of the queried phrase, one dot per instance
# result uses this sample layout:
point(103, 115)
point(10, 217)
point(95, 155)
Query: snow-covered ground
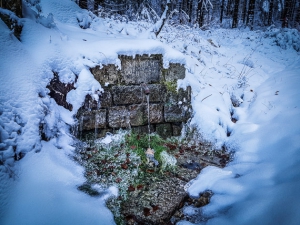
point(259, 71)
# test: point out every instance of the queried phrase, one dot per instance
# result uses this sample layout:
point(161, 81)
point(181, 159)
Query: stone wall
point(123, 103)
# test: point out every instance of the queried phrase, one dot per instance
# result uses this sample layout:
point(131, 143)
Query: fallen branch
point(206, 97)
point(160, 24)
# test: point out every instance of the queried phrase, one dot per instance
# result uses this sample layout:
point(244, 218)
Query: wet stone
point(139, 114)
point(118, 116)
point(105, 99)
point(93, 119)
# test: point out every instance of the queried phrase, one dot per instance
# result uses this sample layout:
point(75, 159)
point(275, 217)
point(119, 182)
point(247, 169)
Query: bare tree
point(160, 23)
point(250, 16)
point(235, 14)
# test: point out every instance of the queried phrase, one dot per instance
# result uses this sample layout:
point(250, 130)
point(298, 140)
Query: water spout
point(145, 88)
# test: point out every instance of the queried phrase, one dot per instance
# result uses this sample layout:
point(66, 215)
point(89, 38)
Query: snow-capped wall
point(123, 103)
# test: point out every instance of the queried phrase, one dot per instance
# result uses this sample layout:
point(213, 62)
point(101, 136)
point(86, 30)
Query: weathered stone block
point(94, 119)
point(139, 114)
point(175, 113)
point(156, 113)
point(107, 74)
point(118, 116)
point(105, 99)
point(176, 127)
point(174, 72)
point(123, 95)
point(157, 92)
point(142, 129)
point(140, 69)
point(92, 134)
point(127, 95)
point(164, 130)
point(184, 95)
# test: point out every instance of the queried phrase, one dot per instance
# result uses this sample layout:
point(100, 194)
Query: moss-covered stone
point(164, 130)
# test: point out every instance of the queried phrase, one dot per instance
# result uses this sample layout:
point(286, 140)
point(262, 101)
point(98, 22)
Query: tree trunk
point(245, 10)
point(270, 17)
point(285, 14)
point(179, 8)
point(228, 8)
point(250, 17)
point(222, 11)
point(297, 17)
point(235, 16)
point(200, 13)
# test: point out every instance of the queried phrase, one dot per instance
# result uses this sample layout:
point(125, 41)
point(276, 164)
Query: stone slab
point(175, 113)
point(140, 69)
point(118, 116)
point(164, 130)
point(174, 72)
point(93, 119)
point(176, 127)
point(123, 95)
point(139, 114)
point(143, 129)
point(107, 74)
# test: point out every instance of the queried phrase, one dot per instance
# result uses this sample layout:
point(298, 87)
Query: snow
point(45, 192)
point(257, 70)
point(261, 184)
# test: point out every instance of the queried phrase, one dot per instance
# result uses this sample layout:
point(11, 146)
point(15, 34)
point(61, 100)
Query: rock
point(123, 95)
point(105, 101)
point(174, 72)
point(141, 68)
point(204, 199)
point(164, 130)
point(143, 129)
point(156, 203)
point(118, 116)
point(59, 91)
point(107, 74)
point(94, 119)
point(176, 127)
point(175, 113)
point(192, 165)
point(139, 114)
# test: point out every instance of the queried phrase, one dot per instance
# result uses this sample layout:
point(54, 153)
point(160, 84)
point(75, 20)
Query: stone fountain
point(123, 104)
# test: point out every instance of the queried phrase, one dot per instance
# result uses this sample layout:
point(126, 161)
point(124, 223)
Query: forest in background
point(206, 14)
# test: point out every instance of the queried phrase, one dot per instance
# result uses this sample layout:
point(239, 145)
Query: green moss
point(139, 143)
point(171, 86)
